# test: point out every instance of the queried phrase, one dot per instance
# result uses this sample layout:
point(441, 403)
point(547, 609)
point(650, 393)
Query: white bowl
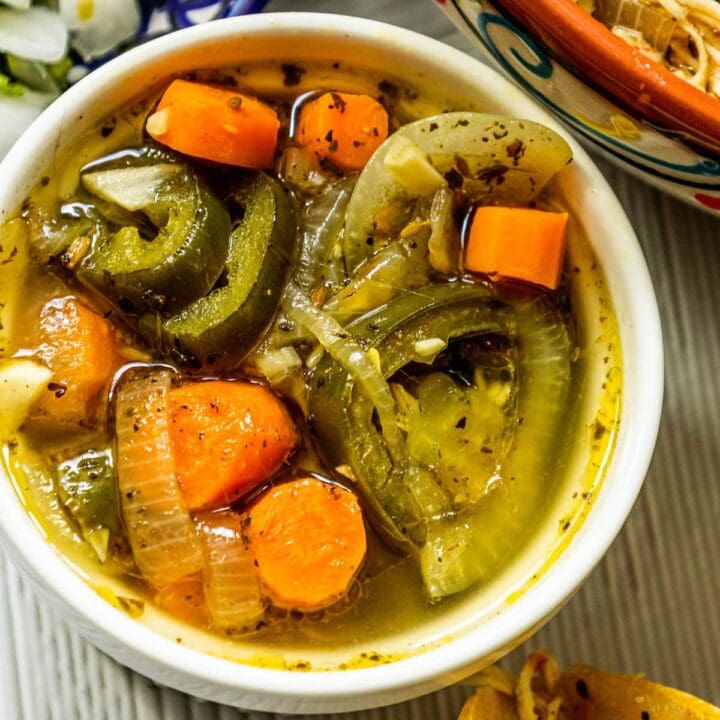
point(304, 37)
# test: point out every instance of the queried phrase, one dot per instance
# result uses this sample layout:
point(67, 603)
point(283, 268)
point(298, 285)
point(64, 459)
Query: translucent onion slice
point(352, 357)
point(230, 580)
point(159, 528)
point(132, 188)
point(494, 158)
point(323, 222)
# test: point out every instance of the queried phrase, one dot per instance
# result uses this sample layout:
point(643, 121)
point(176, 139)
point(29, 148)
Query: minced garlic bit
point(346, 471)
point(429, 346)
point(337, 251)
point(133, 354)
point(499, 392)
point(413, 228)
point(157, 123)
point(411, 167)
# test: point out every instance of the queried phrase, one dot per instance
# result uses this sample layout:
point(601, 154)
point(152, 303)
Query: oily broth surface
point(387, 615)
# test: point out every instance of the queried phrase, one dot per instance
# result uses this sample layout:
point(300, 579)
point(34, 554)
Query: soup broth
point(464, 415)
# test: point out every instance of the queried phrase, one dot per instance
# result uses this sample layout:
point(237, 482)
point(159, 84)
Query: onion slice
point(37, 33)
point(352, 357)
point(132, 188)
point(159, 528)
point(109, 24)
point(22, 381)
point(230, 580)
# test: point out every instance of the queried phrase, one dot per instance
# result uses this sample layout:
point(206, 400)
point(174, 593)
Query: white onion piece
point(111, 23)
point(323, 220)
point(34, 34)
point(277, 364)
point(230, 580)
point(474, 146)
point(21, 382)
point(351, 356)
point(17, 115)
point(159, 528)
point(132, 188)
point(19, 4)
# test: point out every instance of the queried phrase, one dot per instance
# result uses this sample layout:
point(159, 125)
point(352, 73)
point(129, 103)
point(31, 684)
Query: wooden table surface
point(652, 605)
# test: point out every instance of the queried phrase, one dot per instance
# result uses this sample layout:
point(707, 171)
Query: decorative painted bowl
point(660, 156)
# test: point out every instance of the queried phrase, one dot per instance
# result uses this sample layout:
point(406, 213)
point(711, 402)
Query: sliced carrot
point(308, 539)
point(344, 128)
point(227, 437)
point(517, 243)
point(215, 124)
point(184, 600)
point(80, 348)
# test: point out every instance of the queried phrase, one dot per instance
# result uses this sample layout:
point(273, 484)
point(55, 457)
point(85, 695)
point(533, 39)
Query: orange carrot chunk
point(227, 437)
point(215, 124)
point(80, 348)
point(308, 539)
point(344, 128)
point(184, 600)
point(517, 243)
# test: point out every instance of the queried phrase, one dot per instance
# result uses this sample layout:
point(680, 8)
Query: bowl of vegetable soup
point(330, 366)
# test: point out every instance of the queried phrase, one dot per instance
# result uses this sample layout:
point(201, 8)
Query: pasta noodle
point(683, 35)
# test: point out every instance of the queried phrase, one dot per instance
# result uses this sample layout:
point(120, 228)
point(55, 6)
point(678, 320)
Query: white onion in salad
point(34, 34)
point(111, 23)
point(17, 114)
point(20, 4)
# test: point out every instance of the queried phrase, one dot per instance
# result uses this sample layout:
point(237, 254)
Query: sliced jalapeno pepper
point(476, 543)
point(456, 547)
point(86, 485)
point(343, 417)
point(231, 319)
point(149, 189)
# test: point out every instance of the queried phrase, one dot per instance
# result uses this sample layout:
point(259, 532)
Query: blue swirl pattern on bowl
point(659, 157)
point(185, 13)
point(163, 16)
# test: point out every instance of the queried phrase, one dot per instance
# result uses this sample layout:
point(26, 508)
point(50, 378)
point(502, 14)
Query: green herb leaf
point(9, 87)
